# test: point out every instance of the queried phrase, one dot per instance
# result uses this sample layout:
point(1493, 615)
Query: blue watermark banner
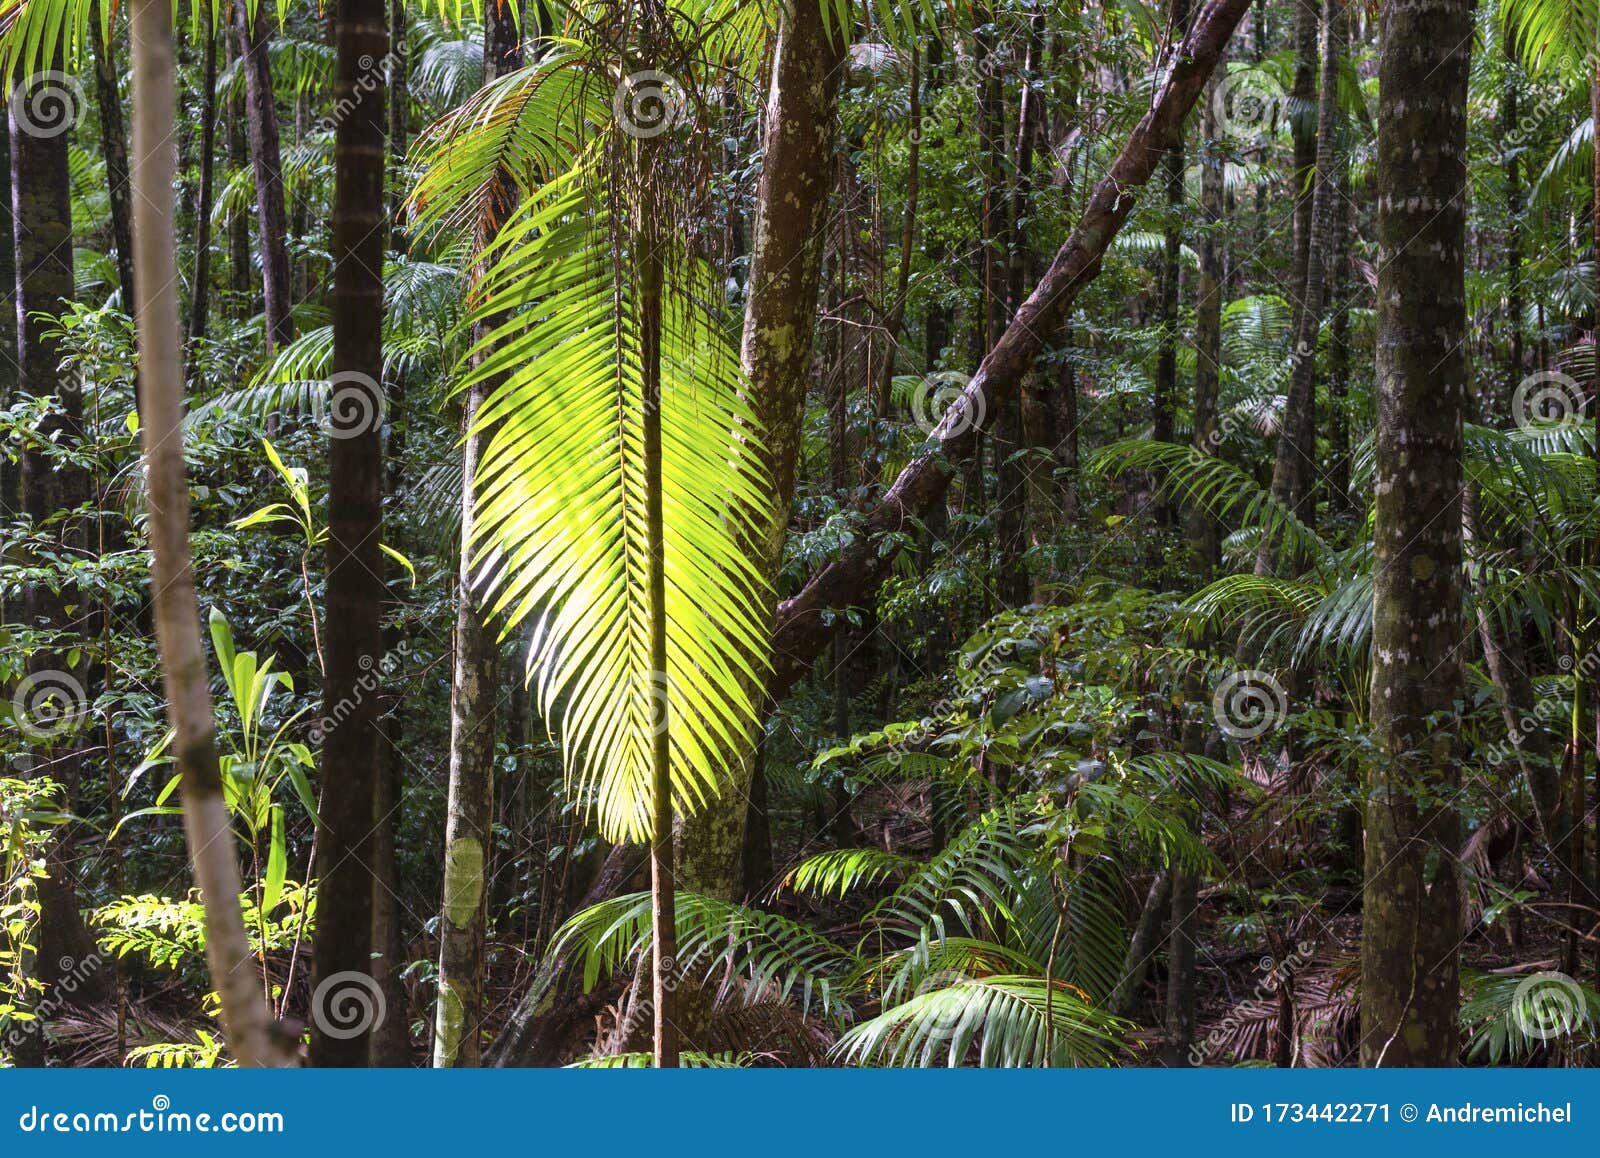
point(799, 1112)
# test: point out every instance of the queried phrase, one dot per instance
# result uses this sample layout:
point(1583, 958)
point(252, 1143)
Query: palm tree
point(255, 31)
point(252, 1036)
point(619, 456)
point(351, 756)
point(469, 816)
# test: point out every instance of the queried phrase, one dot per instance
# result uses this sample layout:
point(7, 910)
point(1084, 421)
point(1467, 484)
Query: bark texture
point(775, 354)
point(251, 1034)
point(261, 117)
point(351, 749)
point(1410, 983)
point(469, 819)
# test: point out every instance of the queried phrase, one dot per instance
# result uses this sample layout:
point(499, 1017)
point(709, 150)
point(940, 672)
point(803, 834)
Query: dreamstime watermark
point(649, 103)
point(1547, 712)
point(1545, 398)
point(49, 704)
point(643, 1011)
point(354, 406)
point(1549, 1005)
point(370, 74)
point(1249, 704)
point(1247, 104)
point(347, 1004)
point(942, 404)
point(1262, 1001)
point(659, 691)
point(72, 976)
point(367, 683)
point(47, 104)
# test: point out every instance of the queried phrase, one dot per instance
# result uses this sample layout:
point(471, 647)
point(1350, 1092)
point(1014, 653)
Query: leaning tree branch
point(805, 621)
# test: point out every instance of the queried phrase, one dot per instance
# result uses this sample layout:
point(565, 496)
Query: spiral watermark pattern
point(949, 1012)
point(355, 405)
point(1547, 1005)
point(940, 396)
point(1247, 103)
point(649, 103)
point(1249, 704)
point(1545, 398)
point(47, 104)
point(657, 688)
point(347, 1004)
point(47, 704)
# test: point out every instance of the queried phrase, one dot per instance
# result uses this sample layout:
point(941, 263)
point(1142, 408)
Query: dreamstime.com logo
point(354, 406)
point(1262, 1002)
point(347, 1004)
point(1247, 104)
point(942, 405)
point(1249, 704)
point(72, 975)
point(49, 704)
point(367, 683)
point(649, 103)
point(1547, 1006)
point(47, 104)
point(159, 1118)
point(1546, 398)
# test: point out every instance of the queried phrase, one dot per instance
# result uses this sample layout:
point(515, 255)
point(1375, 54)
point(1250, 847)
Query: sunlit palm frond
point(989, 1021)
point(777, 957)
point(561, 535)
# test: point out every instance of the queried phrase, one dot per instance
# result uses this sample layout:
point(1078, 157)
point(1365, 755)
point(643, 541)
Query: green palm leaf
point(998, 1020)
point(561, 535)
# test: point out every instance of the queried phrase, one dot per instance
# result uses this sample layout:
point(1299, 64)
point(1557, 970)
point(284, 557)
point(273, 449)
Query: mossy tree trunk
point(469, 817)
point(1410, 983)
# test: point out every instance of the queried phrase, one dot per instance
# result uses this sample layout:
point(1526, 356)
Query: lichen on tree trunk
point(1410, 980)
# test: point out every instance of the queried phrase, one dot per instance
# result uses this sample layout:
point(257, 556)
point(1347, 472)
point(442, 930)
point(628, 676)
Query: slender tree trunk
point(272, 218)
point(399, 105)
point(252, 1036)
point(351, 758)
point(200, 294)
point(240, 278)
point(469, 818)
point(1410, 983)
point(1166, 399)
point(1510, 130)
point(663, 882)
point(1296, 464)
point(1303, 117)
point(775, 355)
point(114, 148)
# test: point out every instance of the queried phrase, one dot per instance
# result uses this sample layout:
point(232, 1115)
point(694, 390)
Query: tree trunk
point(240, 278)
point(399, 105)
point(272, 219)
point(1410, 983)
point(469, 819)
point(251, 1034)
point(114, 148)
point(42, 251)
point(1510, 133)
point(200, 292)
point(1296, 465)
point(806, 621)
point(1303, 117)
point(775, 355)
point(353, 641)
